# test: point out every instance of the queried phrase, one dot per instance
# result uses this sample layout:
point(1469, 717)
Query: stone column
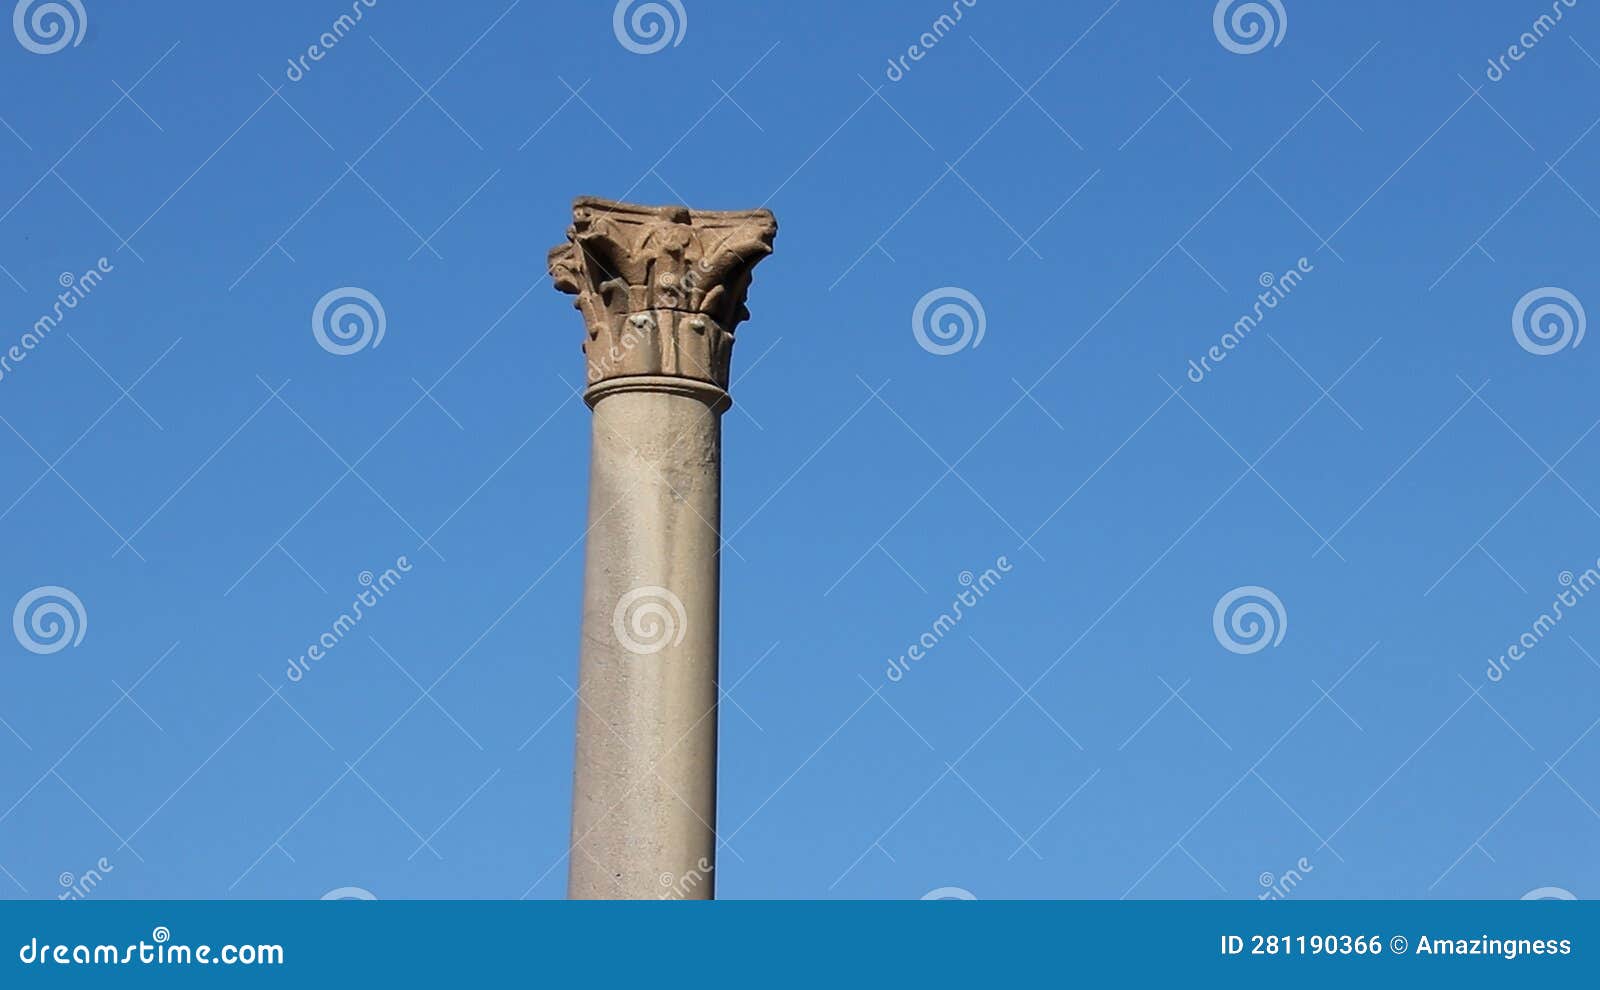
point(661, 290)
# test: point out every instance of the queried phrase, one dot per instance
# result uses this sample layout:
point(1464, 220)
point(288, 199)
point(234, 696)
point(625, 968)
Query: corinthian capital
point(661, 289)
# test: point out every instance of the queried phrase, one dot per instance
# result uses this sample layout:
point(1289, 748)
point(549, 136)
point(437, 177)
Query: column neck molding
point(714, 396)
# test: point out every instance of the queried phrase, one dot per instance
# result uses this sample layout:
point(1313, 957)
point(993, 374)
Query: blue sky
point(1109, 182)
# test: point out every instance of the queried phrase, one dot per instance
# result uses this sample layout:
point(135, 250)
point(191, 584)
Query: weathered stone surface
point(644, 792)
point(661, 288)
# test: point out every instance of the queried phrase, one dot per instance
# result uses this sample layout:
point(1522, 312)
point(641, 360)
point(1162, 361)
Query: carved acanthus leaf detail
point(661, 289)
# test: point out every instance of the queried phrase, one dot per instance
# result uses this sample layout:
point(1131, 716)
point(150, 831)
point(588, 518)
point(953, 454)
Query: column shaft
point(644, 788)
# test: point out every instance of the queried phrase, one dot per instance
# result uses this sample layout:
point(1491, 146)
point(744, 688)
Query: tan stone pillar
point(661, 291)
